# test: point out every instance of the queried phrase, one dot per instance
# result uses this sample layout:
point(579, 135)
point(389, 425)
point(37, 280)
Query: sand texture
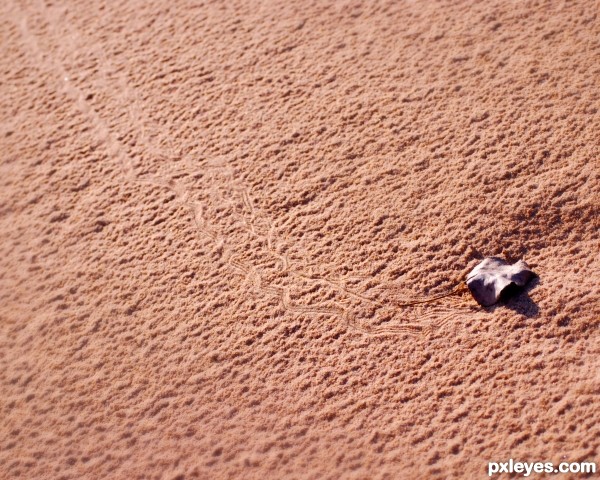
point(212, 213)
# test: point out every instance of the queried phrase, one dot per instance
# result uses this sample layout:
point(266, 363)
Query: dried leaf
point(488, 280)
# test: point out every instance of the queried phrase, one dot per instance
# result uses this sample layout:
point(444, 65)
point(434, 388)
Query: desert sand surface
point(212, 215)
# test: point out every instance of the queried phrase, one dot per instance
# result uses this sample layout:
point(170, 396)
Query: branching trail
point(257, 224)
point(438, 318)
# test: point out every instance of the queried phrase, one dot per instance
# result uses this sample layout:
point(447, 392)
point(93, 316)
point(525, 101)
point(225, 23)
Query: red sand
point(209, 212)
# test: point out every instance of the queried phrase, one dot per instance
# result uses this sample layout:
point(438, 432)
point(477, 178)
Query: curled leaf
point(493, 276)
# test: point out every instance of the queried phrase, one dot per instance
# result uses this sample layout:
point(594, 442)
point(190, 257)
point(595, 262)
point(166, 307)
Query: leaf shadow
point(517, 299)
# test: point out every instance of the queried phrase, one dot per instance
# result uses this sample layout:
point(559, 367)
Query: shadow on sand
point(518, 299)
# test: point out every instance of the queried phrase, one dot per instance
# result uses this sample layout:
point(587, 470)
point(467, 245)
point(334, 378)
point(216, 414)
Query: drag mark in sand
point(116, 149)
point(435, 317)
point(256, 224)
point(103, 132)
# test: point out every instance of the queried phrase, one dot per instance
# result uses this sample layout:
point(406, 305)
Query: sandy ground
point(211, 213)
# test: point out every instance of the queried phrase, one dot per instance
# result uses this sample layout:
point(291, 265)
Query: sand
point(212, 212)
